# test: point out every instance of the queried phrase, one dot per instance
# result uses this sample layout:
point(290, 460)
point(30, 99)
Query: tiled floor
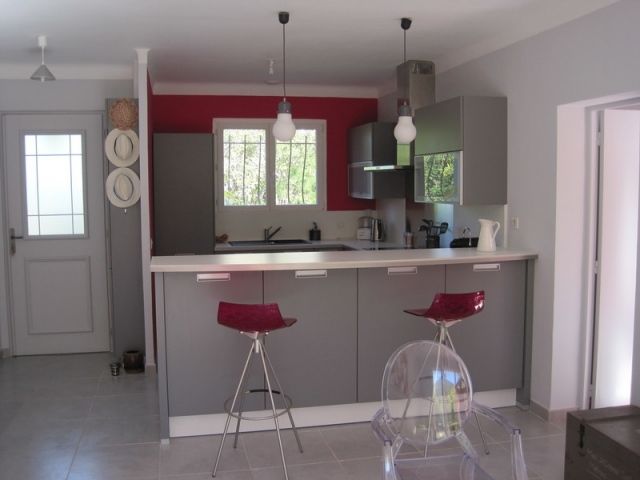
point(66, 418)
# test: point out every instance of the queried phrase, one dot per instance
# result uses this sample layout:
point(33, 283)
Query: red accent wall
point(195, 113)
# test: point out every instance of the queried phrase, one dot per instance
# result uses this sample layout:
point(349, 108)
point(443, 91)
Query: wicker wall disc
point(123, 113)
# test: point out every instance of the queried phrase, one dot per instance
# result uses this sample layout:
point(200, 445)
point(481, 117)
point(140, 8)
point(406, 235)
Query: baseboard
point(151, 368)
point(552, 416)
point(194, 425)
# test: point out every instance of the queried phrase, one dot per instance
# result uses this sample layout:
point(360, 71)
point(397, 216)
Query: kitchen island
point(349, 306)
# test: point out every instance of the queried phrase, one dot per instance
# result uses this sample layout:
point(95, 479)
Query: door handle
point(12, 242)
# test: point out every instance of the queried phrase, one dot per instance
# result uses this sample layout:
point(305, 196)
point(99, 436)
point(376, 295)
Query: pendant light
point(42, 73)
point(405, 131)
point(284, 129)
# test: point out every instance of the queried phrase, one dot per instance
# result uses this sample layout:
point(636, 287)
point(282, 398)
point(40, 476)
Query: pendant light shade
point(42, 73)
point(284, 128)
point(405, 131)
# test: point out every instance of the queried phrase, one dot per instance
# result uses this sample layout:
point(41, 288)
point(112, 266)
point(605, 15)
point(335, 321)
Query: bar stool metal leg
point(293, 425)
point(233, 404)
point(258, 347)
point(256, 321)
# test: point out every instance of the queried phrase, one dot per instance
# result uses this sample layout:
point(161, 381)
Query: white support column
point(140, 89)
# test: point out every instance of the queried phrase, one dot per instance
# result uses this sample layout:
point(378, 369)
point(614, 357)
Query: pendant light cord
point(406, 80)
point(284, 63)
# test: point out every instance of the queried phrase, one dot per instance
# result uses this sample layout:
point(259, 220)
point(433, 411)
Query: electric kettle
point(487, 238)
point(377, 230)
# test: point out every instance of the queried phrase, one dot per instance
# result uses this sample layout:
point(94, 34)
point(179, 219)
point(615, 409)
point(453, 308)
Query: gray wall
point(589, 58)
point(61, 95)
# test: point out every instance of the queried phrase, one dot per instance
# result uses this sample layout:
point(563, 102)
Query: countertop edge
point(334, 260)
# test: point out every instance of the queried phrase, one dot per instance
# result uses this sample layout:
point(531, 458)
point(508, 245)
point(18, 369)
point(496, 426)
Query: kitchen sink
point(257, 243)
point(463, 242)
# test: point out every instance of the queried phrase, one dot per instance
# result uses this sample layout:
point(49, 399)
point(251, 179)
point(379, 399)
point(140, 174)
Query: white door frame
point(592, 159)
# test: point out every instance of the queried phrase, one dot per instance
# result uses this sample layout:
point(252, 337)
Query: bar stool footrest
point(242, 416)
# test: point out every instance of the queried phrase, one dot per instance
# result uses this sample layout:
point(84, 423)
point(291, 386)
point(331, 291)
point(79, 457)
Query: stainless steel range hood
point(403, 160)
point(416, 83)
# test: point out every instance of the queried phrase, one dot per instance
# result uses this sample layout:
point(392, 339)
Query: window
point(54, 184)
point(255, 171)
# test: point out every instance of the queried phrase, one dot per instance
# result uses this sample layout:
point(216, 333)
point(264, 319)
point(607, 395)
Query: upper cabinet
point(373, 144)
point(475, 128)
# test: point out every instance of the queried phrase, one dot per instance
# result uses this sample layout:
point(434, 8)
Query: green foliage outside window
point(246, 168)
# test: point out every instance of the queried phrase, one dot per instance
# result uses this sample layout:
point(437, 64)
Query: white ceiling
point(330, 43)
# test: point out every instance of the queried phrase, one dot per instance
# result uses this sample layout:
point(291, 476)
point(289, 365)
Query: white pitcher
point(487, 238)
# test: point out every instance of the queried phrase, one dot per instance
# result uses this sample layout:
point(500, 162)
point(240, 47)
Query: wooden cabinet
point(477, 127)
point(183, 201)
point(383, 294)
point(316, 358)
point(204, 360)
point(491, 343)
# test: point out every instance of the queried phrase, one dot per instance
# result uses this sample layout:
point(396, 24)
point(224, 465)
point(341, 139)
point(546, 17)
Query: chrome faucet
point(268, 235)
point(467, 230)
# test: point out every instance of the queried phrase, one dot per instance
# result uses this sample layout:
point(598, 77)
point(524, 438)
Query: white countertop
point(335, 259)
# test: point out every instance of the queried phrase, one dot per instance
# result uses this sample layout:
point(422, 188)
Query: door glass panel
point(54, 184)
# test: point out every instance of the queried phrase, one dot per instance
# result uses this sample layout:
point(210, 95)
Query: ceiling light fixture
point(405, 131)
point(42, 73)
point(271, 79)
point(284, 129)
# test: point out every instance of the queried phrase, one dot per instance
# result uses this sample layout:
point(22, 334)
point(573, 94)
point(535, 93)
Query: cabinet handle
point(486, 267)
point(402, 270)
point(311, 273)
point(213, 277)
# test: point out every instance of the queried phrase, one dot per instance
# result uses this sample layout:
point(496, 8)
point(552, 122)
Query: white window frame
point(25, 189)
point(321, 162)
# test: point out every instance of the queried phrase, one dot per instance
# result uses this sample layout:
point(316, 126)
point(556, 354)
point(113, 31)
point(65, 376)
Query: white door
point(617, 250)
point(55, 197)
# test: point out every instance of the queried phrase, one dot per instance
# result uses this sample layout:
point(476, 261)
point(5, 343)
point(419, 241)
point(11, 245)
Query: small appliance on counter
point(377, 230)
point(433, 232)
point(364, 227)
point(315, 233)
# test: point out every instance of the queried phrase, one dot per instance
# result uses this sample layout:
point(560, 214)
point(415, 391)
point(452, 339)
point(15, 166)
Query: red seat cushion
point(252, 317)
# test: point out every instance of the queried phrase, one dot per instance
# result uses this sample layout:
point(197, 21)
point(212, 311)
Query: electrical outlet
point(515, 223)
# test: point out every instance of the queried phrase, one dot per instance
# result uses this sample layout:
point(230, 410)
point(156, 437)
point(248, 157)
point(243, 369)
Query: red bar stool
point(447, 309)
point(255, 321)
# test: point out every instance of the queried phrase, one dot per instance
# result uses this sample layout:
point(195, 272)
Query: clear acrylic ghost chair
point(427, 398)
point(447, 309)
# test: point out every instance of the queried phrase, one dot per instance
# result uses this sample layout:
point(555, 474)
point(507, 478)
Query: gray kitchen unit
point(349, 306)
point(485, 340)
point(316, 358)
point(383, 294)
point(475, 126)
point(373, 144)
point(183, 194)
point(204, 360)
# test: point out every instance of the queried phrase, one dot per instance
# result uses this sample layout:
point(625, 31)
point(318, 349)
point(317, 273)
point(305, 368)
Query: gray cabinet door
point(204, 359)
point(491, 343)
point(477, 126)
point(383, 294)
point(315, 359)
point(183, 199)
